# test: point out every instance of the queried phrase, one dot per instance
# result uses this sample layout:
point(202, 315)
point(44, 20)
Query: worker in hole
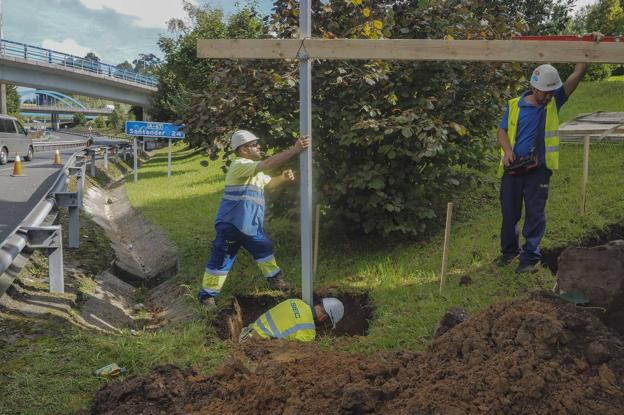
point(293, 319)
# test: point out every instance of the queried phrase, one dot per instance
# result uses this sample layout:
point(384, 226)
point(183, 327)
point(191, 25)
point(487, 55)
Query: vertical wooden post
point(584, 179)
point(447, 240)
point(316, 236)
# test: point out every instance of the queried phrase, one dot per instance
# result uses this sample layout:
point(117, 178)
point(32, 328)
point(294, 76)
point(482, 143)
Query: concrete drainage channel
point(243, 310)
point(136, 264)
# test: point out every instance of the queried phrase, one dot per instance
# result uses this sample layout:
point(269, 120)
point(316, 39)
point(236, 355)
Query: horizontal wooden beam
point(414, 49)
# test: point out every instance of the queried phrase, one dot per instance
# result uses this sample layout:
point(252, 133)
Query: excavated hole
point(614, 232)
point(241, 311)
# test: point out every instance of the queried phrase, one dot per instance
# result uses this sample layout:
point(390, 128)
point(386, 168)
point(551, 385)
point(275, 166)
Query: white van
point(13, 140)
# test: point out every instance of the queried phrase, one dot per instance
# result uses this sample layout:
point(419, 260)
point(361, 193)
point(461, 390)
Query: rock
point(453, 317)
point(597, 272)
point(597, 353)
point(465, 280)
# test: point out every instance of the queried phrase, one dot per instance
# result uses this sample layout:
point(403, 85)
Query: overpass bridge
point(57, 109)
point(35, 67)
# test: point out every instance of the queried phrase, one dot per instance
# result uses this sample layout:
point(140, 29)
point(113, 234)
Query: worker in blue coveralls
point(293, 319)
point(528, 136)
point(240, 218)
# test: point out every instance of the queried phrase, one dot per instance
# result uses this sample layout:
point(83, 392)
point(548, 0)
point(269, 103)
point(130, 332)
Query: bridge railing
point(35, 53)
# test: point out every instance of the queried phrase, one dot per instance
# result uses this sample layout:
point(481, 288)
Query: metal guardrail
point(31, 234)
point(37, 54)
point(54, 145)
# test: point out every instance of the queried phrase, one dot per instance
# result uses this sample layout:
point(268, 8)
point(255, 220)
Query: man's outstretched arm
point(579, 70)
point(283, 156)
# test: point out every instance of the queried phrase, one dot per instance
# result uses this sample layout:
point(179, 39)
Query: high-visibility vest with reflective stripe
point(551, 133)
point(243, 201)
point(291, 319)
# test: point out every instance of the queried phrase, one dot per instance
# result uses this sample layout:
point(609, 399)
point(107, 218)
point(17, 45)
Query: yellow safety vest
point(291, 319)
point(551, 133)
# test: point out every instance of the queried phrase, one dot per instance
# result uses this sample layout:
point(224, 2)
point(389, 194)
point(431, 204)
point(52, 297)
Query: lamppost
point(2, 85)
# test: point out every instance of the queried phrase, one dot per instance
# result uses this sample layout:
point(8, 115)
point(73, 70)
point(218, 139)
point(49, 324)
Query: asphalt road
point(19, 195)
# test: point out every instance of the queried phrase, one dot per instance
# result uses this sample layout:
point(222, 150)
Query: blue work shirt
point(532, 119)
point(243, 197)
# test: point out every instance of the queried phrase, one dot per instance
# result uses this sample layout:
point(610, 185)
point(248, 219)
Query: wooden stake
point(584, 180)
point(316, 236)
point(447, 240)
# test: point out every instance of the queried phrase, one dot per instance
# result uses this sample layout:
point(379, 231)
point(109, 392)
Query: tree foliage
point(146, 64)
point(79, 118)
point(389, 136)
point(606, 16)
point(13, 100)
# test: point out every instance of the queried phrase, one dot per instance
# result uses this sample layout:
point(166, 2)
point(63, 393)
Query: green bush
point(389, 136)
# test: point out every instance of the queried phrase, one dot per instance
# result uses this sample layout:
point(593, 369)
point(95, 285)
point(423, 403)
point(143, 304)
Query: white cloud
point(147, 13)
point(68, 45)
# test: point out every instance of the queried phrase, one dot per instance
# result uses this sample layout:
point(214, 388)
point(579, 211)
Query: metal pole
point(2, 85)
point(169, 160)
point(305, 160)
point(136, 169)
point(106, 158)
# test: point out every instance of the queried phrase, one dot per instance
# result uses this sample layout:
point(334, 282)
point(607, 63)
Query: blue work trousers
point(225, 247)
point(532, 190)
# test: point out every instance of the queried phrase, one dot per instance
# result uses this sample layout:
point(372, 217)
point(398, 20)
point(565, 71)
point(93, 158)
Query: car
point(14, 140)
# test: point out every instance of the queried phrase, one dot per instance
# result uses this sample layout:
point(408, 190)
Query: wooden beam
point(248, 48)
point(416, 49)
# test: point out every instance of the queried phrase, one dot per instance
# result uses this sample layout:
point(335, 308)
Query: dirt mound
point(525, 357)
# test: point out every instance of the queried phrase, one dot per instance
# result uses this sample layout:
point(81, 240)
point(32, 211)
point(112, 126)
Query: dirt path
point(530, 356)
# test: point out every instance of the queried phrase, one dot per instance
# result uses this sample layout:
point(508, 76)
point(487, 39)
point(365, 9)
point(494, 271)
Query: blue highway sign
point(154, 129)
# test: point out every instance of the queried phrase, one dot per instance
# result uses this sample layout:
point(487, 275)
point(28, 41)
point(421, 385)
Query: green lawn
point(593, 97)
point(50, 374)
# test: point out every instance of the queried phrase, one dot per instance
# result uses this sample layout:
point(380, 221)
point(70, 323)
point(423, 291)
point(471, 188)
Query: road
point(19, 195)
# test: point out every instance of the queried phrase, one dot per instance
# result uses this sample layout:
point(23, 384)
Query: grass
point(47, 364)
point(595, 96)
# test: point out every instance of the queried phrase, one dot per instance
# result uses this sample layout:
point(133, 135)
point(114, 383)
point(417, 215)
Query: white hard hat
point(334, 309)
point(241, 137)
point(546, 78)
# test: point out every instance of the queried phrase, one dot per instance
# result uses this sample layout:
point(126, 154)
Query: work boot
point(210, 305)
point(504, 260)
point(277, 283)
point(527, 268)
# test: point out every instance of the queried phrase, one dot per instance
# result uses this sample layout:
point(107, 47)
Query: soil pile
point(530, 356)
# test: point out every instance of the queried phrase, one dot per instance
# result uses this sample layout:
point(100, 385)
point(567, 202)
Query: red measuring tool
point(568, 38)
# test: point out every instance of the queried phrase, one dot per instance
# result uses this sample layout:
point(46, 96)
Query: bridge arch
point(65, 99)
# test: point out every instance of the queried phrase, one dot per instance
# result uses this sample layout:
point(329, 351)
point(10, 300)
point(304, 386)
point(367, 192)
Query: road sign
point(154, 129)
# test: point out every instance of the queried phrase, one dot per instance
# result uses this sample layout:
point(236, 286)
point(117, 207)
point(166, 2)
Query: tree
point(532, 17)
point(13, 100)
point(391, 137)
point(100, 122)
point(146, 64)
point(79, 118)
point(606, 16)
point(127, 66)
point(92, 57)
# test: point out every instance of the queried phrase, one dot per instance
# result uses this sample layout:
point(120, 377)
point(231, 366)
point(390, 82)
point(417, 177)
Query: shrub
point(388, 135)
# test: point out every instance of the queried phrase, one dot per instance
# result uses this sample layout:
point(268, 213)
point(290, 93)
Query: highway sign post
point(148, 130)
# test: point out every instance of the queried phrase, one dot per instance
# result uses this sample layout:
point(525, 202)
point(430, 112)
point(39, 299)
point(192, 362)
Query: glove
point(246, 334)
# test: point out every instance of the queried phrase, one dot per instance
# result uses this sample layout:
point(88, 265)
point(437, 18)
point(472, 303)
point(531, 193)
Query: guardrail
point(37, 54)
point(54, 145)
point(31, 234)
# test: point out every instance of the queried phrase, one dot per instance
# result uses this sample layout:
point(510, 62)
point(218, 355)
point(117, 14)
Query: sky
point(115, 30)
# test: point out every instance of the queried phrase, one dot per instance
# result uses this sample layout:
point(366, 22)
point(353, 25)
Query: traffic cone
point(57, 158)
point(18, 170)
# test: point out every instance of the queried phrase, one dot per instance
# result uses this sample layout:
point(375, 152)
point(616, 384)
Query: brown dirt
point(531, 356)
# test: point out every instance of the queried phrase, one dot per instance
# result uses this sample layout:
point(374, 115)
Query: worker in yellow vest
point(528, 135)
point(293, 319)
point(240, 219)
